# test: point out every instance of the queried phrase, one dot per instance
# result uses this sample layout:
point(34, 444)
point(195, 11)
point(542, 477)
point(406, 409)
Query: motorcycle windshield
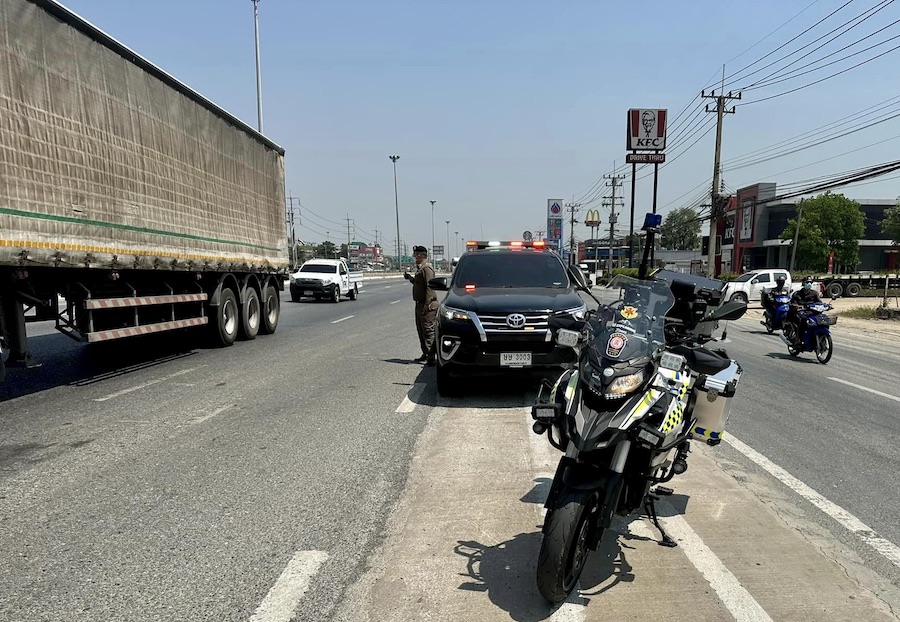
point(632, 327)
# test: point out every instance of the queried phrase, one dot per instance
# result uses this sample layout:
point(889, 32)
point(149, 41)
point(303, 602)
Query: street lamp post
point(394, 159)
point(456, 235)
point(447, 250)
point(259, 115)
point(432, 228)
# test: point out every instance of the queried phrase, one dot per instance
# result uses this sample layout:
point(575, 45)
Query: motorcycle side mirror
point(577, 277)
point(438, 283)
point(729, 311)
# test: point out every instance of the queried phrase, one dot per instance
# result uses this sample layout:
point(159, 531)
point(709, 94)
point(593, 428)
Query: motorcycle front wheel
point(824, 348)
point(564, 549)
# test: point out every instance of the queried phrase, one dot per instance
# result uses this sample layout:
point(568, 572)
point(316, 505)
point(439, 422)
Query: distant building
point(748, 236)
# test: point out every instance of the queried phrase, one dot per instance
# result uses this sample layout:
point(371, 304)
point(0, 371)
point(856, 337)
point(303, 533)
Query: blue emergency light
point(652, 221)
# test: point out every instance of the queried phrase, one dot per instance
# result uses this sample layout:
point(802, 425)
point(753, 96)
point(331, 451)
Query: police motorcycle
point(643, 387)
point(775, 311)
point(811, 332)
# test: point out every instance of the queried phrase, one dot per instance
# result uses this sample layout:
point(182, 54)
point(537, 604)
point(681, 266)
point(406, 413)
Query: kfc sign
point(646, 129)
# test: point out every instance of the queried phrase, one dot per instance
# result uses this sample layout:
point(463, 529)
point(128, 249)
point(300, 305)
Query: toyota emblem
point(515, 320)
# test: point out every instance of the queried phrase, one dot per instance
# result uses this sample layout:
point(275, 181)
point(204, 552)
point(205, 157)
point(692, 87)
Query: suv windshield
point(510, 269)
point(318, 268)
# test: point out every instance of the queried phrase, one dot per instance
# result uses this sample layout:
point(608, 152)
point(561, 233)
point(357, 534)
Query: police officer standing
point(426, 304)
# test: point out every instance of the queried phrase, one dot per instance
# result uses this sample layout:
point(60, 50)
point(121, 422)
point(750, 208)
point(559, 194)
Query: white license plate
point(308, 292)
point(515, 359)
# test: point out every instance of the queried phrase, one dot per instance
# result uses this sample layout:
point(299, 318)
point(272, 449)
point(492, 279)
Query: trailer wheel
point(226, 317)
point(271, 310)
point(853, 289)
point(834, 290)
point(251, 315)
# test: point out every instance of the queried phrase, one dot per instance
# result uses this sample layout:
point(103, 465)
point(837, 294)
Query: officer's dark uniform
point(426, 309)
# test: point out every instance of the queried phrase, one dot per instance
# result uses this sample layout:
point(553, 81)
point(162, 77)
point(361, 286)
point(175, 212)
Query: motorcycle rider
point(799, 300)
point(768, 298)
point(778, 290)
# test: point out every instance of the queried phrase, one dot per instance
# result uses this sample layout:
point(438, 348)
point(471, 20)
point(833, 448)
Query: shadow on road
point(67, 362)
point(506, 571)
point(784, 356)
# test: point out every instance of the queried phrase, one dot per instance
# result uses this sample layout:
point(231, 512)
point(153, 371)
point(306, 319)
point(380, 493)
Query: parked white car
point(325, 278)
point(750, 285)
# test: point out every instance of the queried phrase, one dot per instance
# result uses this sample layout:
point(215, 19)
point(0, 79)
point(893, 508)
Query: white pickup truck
point(325, 278)
point(750, 285)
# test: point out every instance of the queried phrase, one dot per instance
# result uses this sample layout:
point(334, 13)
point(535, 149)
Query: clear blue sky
point(496, 106)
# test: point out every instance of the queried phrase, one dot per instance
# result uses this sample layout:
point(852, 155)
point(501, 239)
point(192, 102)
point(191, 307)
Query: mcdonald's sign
point(592, 218)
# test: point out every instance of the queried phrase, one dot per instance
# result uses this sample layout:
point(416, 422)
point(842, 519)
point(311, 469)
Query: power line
point(780, 47)
point(834, 75)
point(862, 17)
point(765, 82)
point(770, 34)
point(888, 103)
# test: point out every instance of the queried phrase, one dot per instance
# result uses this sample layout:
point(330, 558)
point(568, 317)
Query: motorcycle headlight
point(625, 384)
point(455, 314)
point(577, 312)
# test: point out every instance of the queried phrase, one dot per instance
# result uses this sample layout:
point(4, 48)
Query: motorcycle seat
point(703, 359)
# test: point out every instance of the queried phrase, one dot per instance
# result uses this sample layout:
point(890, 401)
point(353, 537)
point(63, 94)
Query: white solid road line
point(343, 318)
point(396, 301)
point(145, 385)
point(409, 402)
point(739, 602)
point(217, 411)
point(865, 533)
point(281, 602)
point(862, 388)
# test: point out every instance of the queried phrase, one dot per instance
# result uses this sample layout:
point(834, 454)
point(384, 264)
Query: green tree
point(326, 250)
point(680, 230)
point(828, 223)
point(891, 223)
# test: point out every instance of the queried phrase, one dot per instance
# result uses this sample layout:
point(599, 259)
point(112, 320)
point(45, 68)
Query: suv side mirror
point(438, 283)
point(577, 277)
point(754, 281)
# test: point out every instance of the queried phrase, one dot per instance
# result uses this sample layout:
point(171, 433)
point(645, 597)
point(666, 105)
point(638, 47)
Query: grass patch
point(859, 313)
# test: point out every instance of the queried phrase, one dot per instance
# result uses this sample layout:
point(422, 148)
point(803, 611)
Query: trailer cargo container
point(127, 195)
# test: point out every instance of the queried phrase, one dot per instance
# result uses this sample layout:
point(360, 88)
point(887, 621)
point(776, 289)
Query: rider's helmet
point(807, 282)
point(779, 281)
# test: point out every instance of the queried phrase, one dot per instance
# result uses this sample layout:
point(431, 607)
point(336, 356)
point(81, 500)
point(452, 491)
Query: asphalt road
point(314, 473)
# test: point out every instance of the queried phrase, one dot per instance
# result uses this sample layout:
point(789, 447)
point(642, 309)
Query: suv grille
point(495, 323)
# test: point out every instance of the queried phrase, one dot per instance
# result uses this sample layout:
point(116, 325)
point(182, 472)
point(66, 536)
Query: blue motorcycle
point(812, 331)
point(775, 311)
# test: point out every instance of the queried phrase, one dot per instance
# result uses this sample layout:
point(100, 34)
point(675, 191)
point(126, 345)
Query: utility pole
point(431, 253)
point(259, 116)
point(447, 250)
point(718, 201)
point(615, 181)
point(573, 209)
point(394, 159)
point(796, 237)
point(349, 221)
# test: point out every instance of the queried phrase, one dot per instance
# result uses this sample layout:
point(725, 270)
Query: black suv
point(495, 314)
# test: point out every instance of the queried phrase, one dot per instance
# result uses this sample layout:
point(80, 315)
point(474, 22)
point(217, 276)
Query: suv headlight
point(455, 314)
point(625, 384)
point(577, 312)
